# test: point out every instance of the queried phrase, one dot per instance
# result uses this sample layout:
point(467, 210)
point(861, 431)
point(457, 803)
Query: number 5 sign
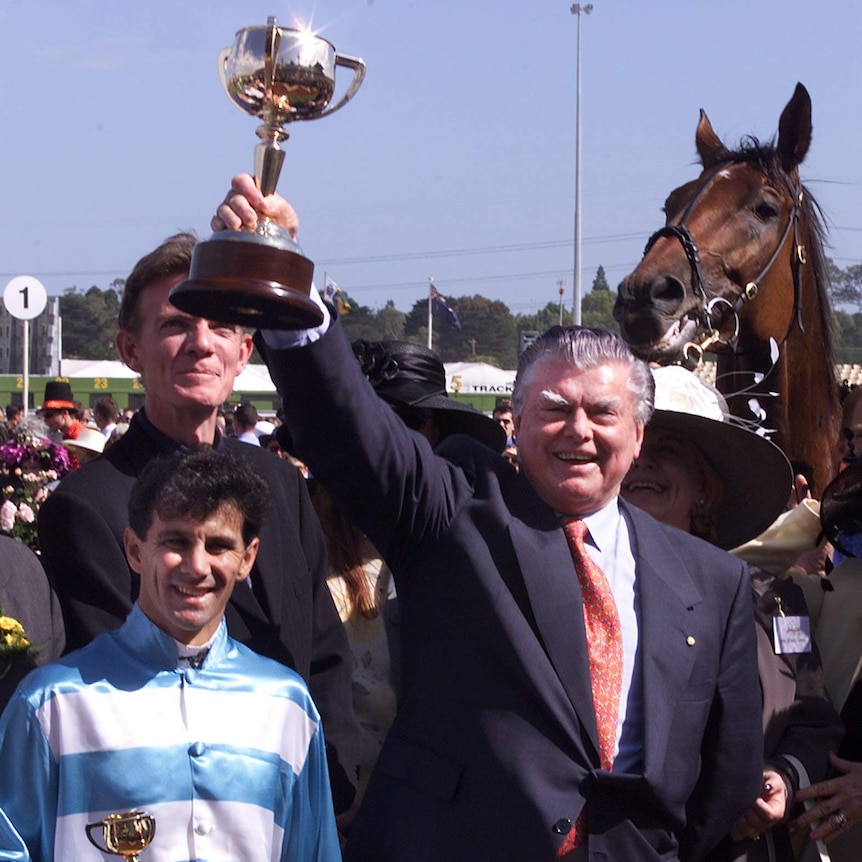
point(25, 297)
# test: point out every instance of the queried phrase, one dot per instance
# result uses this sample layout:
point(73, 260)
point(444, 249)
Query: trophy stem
point(269, 157)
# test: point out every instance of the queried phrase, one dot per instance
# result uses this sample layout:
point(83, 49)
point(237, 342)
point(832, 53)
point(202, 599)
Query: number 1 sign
point(25, 297)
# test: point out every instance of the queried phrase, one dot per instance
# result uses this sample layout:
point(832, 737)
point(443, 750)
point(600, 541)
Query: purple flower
point(13, 454)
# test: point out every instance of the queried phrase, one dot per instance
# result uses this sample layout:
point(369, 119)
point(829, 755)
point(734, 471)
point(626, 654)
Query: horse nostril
point(667, 292)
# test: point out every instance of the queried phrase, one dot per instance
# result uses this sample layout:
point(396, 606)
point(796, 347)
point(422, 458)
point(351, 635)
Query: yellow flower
point(10, 624)
point(15, 646)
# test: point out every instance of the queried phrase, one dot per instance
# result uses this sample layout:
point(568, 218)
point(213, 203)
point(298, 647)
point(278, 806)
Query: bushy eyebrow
point(548, 396)
point(554, 398)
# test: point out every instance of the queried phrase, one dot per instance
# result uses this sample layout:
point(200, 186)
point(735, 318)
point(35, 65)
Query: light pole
point(577, 9)
point(561, 290)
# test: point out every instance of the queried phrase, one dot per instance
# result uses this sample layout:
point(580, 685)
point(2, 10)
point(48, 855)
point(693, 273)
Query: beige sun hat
point(90, 439)
point(756, 476)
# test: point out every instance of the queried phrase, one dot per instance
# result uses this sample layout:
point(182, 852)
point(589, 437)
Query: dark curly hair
point(195, 484)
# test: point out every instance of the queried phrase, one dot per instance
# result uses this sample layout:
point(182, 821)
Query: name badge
point(792, 634)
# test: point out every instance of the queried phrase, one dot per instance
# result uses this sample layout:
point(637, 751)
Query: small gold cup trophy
point(125, 834)
point(260, 278)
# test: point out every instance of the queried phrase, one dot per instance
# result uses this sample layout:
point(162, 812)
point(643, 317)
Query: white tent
point(464, 377)
point(478, 377)
point(255, 378)
point(95, 368)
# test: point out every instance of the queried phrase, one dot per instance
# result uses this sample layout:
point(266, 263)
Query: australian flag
point(441, 307)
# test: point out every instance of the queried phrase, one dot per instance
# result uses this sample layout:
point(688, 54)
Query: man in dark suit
point(497, 752)
point(26, 596)
point(188, 366)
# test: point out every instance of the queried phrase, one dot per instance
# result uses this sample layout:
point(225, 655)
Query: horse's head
point(729, 234)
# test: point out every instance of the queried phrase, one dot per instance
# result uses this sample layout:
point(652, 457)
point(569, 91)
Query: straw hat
point(755, 473)
point(90, 439)
point(264, 428)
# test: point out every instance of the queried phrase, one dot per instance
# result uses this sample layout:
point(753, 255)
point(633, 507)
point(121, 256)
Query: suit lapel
point(667, 597)
point(555, 598)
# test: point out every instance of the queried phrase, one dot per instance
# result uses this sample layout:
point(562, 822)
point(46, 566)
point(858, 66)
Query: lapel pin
point(691, 640)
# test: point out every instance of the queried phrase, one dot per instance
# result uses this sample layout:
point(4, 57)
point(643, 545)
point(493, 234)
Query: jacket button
point(563, 826)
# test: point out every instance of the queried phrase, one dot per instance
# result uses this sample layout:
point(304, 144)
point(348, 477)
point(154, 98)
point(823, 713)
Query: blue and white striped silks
point(229, 759)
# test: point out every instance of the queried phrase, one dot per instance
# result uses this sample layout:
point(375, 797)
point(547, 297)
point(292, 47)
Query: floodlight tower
point(578, 9)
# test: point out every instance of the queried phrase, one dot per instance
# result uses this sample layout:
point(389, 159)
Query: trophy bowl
point(259, 277)
point(125, 834)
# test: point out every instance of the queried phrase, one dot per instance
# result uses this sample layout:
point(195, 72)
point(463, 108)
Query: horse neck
point(804, 414)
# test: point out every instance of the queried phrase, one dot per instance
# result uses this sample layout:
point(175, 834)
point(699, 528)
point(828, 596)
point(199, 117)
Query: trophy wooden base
point(245, 279)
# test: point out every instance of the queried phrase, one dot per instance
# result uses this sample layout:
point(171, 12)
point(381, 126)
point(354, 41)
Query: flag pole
point(430, 316)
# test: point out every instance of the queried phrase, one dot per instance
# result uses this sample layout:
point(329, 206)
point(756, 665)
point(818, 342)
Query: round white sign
point(25, 297)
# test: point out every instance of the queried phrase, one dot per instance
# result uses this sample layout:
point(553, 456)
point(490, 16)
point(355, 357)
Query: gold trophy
point(259, 277)
point(124, 834)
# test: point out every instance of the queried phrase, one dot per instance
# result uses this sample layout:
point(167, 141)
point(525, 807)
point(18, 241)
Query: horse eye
point(766, 210)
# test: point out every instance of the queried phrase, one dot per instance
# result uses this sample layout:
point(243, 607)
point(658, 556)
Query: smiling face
point(577, 434)
point(667, 479)
point(188, 570)
point(188, 364)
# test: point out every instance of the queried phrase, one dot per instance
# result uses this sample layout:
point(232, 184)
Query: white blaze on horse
point(739, 270)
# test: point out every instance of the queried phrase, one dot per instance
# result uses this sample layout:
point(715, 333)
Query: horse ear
point(709, 145)
point(794, 129)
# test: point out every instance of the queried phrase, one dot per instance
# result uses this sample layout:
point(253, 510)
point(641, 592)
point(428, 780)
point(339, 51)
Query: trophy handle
point(222, 62)
point(358, 67)
point(88, 828)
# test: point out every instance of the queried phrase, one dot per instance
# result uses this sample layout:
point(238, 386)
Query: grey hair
point(583, 347)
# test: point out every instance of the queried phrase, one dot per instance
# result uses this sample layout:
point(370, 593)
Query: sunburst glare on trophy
point(259, 277)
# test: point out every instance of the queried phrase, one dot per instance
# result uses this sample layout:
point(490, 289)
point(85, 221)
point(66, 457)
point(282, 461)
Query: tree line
point(487, 331)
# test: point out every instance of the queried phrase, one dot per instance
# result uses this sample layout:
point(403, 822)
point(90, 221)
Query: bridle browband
point(693, 351)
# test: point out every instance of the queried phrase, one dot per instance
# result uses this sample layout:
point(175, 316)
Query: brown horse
point(738, 269)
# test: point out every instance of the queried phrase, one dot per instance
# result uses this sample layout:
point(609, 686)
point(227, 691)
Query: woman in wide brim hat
point(746, 479)
point(412, 379)
point(702, 473)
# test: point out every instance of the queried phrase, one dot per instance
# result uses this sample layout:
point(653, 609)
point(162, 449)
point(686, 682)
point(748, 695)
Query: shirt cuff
point(284, 339)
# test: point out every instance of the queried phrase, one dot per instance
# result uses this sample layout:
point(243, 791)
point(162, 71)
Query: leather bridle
point(711, 311)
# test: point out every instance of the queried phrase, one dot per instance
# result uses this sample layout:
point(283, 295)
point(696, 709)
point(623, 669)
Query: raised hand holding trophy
point(260, 278)
point(124, 834)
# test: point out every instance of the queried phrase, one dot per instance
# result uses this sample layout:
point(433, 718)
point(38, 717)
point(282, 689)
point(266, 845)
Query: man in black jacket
point(188, 366)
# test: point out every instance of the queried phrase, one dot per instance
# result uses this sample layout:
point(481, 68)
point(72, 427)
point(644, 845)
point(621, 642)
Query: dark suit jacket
point(493, 752)
point(289, 615)
point(26, 596)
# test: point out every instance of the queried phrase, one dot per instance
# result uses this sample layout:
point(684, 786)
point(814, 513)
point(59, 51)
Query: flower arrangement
point(29, 463)
point(15, 646)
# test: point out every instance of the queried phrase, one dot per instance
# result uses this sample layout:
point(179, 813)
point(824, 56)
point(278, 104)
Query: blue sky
point(455, 159)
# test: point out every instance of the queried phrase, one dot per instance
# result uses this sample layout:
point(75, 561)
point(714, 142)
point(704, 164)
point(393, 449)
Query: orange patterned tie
point(605, 653)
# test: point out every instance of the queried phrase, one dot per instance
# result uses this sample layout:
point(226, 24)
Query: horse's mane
point(765, 158)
